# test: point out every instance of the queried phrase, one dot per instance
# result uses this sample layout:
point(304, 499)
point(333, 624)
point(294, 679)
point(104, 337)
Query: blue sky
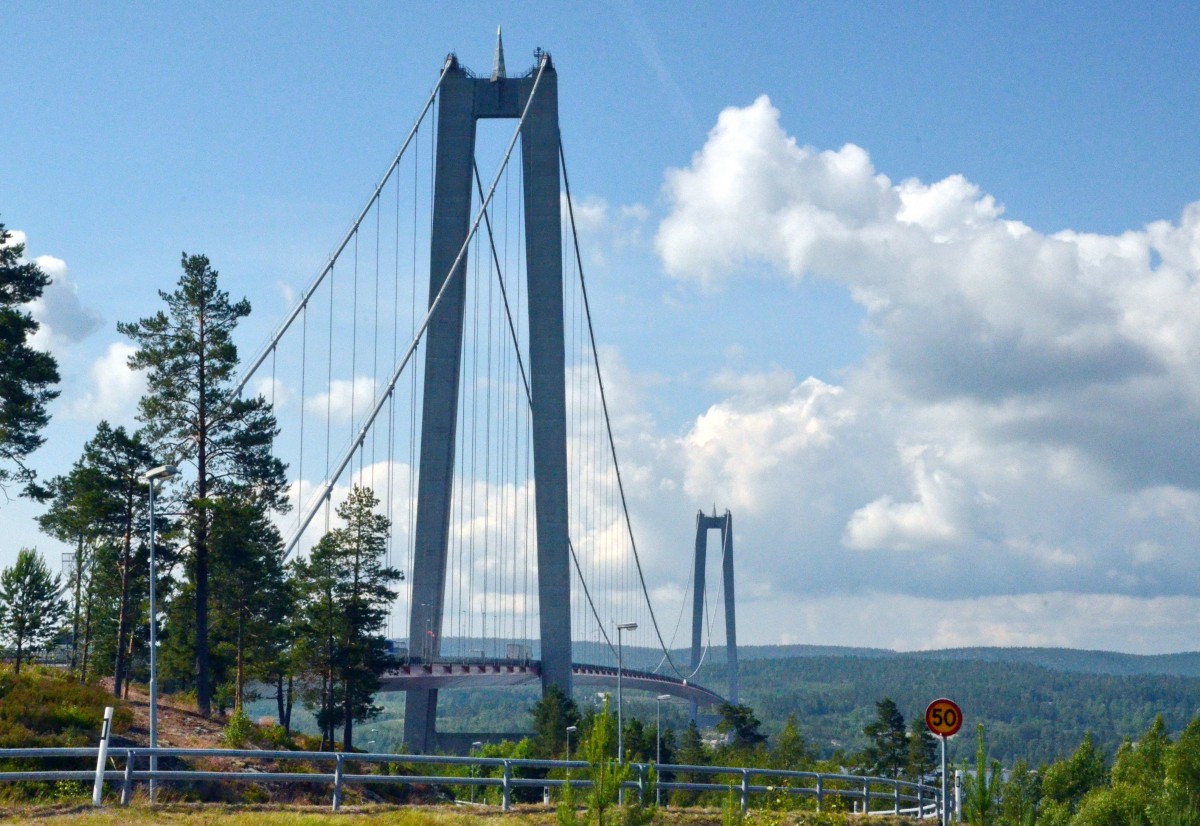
point(1011, 405)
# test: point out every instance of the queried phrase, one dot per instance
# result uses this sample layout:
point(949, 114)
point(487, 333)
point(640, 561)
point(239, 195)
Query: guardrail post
point(127, 786)
point(337, 783)
point(896, 808)
point(745, 790)
point(506, 786)
point(102, 757)
point(866, 796)
point(820, 791)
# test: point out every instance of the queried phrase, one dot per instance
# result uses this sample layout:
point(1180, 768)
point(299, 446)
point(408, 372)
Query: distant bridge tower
point(464, 99)
point(725, 525)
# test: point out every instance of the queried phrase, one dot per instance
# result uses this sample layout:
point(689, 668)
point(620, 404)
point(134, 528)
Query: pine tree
point(983, 787)
point(102, 503)
point(791, 752)
point(248, 579)
point(27, 375)
point(742, 725)
point(888, 751)
point(31, 609)
point(190, 413)
point(551, 716)
point(922, 751)
point(691, 752)
point(348, 591)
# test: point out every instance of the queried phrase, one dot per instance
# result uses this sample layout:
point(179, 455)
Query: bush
point(240, 730)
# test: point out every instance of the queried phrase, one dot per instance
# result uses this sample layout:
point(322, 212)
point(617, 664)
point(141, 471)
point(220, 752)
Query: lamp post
point(569, 730)
point(658, 740)
point(625, 626)
point(151, 476)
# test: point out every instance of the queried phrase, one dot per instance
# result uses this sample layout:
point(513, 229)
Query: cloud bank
point(1022, 424)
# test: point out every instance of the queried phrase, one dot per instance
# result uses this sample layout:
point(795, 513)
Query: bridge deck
point(483, 673)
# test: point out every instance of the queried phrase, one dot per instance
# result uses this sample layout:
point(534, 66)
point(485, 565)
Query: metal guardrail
point(886, 795)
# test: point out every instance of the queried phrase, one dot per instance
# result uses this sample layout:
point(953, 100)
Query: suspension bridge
point(445, 357)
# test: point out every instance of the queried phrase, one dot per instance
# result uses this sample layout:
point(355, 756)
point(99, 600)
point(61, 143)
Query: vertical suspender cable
point(327, 487)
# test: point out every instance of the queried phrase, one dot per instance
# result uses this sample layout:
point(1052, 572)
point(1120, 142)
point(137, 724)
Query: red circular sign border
point(953, 705)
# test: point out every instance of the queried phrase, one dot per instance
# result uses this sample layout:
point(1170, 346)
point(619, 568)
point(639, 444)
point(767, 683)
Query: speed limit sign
point(943, 717)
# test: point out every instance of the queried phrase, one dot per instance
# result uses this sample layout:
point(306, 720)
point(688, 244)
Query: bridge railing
point(868, 794)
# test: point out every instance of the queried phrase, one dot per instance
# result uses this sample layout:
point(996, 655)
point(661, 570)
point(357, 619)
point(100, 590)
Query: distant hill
point(1035, 703)
point(1186, 664)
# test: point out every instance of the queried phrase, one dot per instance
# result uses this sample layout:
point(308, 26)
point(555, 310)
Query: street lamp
point(151, 476)
point(624, 626)
point(569, 730)
point(658, 740)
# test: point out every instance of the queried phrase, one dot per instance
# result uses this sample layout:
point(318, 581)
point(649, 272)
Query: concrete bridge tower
point(464, 99)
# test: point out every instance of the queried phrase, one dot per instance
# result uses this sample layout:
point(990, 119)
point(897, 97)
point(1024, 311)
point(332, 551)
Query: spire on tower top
point(498, 65)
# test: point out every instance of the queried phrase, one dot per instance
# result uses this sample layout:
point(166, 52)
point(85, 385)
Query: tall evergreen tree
point(248, 579)
point(691, 752)
point(102, 501)
point(27, 375)
point(791, 752)
point(190, 414)
point(922, 750)
point(741, 724)
point(348, 594)
point(551, 716)
point(888, 752)
point(31, 608)
point(281, 662)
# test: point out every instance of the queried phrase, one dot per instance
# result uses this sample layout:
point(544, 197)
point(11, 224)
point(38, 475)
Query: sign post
point(944, 718)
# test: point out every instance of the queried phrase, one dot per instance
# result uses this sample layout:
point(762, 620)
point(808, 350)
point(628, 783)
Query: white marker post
point(102, 756)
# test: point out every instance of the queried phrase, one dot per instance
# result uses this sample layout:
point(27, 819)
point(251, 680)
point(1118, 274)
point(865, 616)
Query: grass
point(177, 813)
point(79, 815)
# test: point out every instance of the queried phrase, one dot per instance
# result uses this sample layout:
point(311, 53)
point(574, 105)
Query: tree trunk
point(203, 692)
point(279, 699)
point(286, 720)
point(241, 671)
point(348, 724)
point(87, 626)
point(75, 615)
point(123, 607)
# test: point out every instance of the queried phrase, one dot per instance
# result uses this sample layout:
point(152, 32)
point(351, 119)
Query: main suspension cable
point(607, 419)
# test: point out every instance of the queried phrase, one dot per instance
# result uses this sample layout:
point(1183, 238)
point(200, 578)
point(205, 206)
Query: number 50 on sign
point(943, 717)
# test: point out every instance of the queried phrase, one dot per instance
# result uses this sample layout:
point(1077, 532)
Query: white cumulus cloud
point(114, 389)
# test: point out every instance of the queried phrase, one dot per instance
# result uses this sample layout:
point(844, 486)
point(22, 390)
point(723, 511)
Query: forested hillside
point(1035, 703)
point(1030, 711)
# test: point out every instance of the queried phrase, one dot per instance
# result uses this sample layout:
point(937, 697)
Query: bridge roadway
point(466, 673)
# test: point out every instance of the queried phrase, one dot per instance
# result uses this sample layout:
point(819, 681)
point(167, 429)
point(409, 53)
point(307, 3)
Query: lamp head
point(160, 472)
point(627, 626)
